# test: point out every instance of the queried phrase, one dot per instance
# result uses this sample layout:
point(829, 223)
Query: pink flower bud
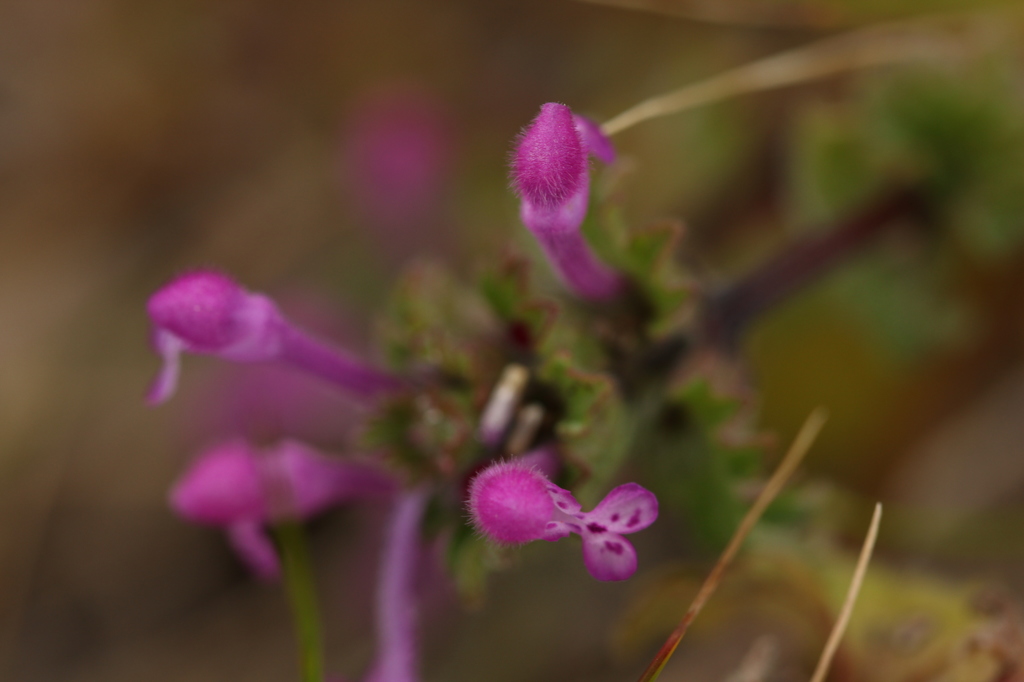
point(550, 164)
point(549, 171)
point(510, 503)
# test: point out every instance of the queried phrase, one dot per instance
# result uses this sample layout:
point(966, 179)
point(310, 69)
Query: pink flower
point(209, 313)
point(549, 171)
point(398, 156)
point(241, 489)
point(513, 504)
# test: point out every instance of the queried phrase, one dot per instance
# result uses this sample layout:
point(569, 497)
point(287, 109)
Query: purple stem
point(730, 312)
point(335, 365)
point(396, 599)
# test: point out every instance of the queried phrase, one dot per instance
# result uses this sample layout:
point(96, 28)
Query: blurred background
point(141, 139)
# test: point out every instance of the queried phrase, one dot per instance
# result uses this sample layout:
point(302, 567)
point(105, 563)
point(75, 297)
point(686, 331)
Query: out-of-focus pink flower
point(207, 312)
point(396, 165)
point(240, 488)
point(266, 402)
point(513, 504)
point(549, 171)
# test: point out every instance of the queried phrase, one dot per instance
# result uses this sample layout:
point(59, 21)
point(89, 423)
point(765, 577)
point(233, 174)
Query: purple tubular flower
point(513, 504)
point(240, 489)
point(549, 171)
point(396, 659)
point(209, 313)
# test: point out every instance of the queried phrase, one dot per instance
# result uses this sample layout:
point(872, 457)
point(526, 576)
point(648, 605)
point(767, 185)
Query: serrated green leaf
point(693, 467)
point(592, 425)
point(647, 255)
point(507, 290)
point(434, 320)
point(583, 393)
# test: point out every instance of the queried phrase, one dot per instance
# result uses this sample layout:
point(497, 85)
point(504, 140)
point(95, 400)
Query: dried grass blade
point(851, 598)
point(864, 48)
point(801, 444)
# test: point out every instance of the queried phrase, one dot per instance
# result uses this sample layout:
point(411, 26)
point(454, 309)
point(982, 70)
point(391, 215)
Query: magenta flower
point(241, 489)
point(549, 171)
point(207, 312)
point(514, 504)
point(396, 166)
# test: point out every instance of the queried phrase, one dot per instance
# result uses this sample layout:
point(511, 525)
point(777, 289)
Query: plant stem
point(397, 658)
point(729, 313)
point(302, 599)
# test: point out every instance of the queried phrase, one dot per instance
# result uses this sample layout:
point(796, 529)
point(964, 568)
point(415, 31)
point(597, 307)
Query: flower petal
point(626, 509)
point(563, 499)
point(222, 487)
point(594, 139)
point(319, 482)
point(556, 530)
point(169, 347)
point(608, 556)
point(254, 547)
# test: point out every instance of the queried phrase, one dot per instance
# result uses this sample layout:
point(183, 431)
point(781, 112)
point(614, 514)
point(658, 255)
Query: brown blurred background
point(140, 139)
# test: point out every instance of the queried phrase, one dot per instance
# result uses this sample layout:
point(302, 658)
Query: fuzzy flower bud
point(550, 164)
point(511, 504)
point(549, 171)
point(209, 313)
point(241, 489)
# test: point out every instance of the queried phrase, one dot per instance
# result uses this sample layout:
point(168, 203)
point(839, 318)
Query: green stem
point(302, 598)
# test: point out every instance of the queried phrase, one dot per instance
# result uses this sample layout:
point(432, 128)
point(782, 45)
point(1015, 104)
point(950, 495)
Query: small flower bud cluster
point(549, 171)
point(513, 504)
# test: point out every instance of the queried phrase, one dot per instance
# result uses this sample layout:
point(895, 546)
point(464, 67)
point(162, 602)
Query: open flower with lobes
point(549, 171)
point(209, 313)
point(513, 504)
point(241, 489)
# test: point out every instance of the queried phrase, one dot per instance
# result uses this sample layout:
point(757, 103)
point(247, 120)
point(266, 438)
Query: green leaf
point(592, 422)
point(506, 289)
point(833, 169)
point(433, 320)
point(648, 256)
point(695, 467)
point(430, 433)
point(961, 134)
